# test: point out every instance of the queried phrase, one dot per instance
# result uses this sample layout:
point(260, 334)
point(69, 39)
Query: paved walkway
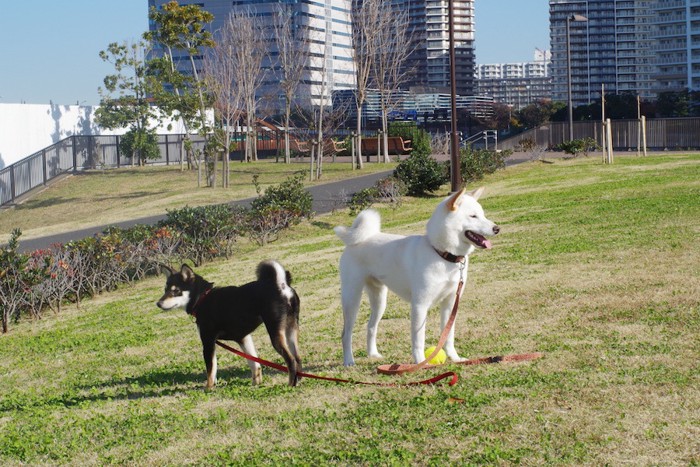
point(325, 198)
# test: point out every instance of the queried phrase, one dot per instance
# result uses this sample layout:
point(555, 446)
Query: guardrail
point(77, 153)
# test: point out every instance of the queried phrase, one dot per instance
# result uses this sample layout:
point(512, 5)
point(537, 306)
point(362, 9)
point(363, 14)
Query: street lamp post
point(569, 19)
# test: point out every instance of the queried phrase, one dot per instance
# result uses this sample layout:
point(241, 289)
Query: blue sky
point(50, 47)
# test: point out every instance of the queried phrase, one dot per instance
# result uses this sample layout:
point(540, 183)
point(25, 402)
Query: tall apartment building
point(677, 40)
point(516, 84)
point(638, 46)
point(328, 21)
point(429, 22)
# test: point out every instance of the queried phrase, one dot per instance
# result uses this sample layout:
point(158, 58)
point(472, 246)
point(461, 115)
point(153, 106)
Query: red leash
point(400, 368)
point(450, 374)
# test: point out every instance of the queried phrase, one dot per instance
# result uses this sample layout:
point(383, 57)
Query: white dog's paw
point(454, 357)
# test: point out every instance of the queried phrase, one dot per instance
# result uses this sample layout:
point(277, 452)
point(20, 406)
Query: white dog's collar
point(447, 256)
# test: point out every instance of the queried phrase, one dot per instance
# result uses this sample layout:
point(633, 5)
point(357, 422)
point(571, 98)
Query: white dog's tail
point(366, 225)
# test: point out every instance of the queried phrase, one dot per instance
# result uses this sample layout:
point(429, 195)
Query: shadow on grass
point(134, 195)
point(44, 203)
point(161, 382)
point(322, 225)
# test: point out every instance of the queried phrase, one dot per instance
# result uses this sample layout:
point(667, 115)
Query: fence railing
point(77, 153)
point(661, 134)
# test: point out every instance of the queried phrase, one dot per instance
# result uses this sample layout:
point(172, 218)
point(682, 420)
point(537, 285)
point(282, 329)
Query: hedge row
point(31, 283)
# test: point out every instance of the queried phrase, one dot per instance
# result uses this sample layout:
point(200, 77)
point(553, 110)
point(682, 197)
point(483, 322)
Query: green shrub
point(280, 207)
point(16, 281)
point(420, 139)
point(576, 147)
point(474, 164)
point(421, 173)
point(206, 232)
point(102, 262)
point(388, 189)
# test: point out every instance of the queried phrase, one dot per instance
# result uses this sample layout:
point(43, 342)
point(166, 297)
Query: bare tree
point(392, 48)
point(220, 68)
point(247, 39)
point(365, 26)
point(292, 44)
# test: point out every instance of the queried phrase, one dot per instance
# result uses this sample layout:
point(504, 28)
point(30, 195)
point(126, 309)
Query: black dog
point(233, 313)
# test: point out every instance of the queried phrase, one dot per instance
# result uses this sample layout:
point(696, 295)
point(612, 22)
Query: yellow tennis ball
point(439, 359)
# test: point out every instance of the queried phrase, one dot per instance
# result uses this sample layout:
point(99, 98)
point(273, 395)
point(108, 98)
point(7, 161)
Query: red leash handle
point(449, 374)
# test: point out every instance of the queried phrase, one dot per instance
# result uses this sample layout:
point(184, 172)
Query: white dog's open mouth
point(478, 240)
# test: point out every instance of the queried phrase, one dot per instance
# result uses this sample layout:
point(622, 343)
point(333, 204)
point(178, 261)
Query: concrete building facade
point(642, 47)
point(516, 84)
point(326, 24)
point(429, 23)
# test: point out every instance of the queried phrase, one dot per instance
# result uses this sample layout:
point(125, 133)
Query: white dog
point(424, 270)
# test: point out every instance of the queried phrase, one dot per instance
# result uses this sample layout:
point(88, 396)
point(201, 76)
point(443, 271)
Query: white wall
point(29, 128)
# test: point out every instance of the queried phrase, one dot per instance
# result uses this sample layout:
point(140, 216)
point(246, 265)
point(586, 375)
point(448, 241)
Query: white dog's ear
point(476, 194)
point(453, 202)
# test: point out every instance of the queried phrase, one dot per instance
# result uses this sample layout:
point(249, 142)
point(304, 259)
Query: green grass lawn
point(596, 266)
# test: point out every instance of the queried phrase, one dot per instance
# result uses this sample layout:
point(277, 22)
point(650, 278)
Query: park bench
point(301, 147)
point(398, 146)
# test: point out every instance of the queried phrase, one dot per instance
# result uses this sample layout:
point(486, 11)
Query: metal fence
point(661, 134)
point(78, 153)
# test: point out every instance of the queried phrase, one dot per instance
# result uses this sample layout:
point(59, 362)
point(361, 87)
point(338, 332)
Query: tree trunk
point(358, 145)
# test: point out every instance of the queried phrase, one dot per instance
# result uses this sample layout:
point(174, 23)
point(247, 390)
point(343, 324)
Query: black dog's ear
point(166, 270)
point(187, 273)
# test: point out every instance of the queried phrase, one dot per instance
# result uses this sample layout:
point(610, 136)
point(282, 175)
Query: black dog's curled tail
point(272, 271)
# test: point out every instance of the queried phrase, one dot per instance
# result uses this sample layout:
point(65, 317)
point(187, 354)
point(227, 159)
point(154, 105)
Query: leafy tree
point(130, 108)
point(182, 28)
point(537, 113)
point(142, 143)
point(678, 104)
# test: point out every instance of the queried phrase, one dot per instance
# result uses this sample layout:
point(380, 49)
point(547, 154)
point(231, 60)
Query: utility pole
point(456, 181)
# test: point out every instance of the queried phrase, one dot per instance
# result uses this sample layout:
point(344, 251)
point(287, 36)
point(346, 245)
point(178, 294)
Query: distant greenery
point(140, 144)
point(409, 131)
